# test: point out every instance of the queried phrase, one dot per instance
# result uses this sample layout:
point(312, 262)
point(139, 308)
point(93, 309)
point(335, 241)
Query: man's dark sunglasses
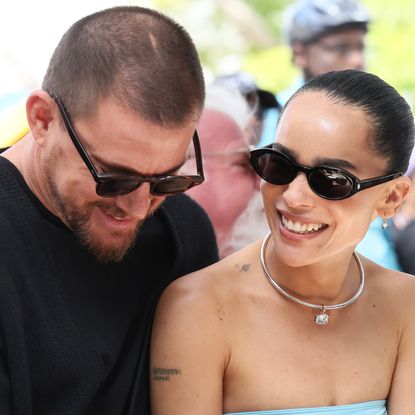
point(327, 182)
point(116, 184)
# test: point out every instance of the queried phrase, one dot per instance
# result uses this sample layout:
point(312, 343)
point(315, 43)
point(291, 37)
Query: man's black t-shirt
point(75, 332)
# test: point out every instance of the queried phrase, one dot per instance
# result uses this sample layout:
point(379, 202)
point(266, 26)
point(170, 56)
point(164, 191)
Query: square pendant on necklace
point(321, 318)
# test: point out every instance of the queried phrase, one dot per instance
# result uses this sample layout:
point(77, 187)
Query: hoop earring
point(385, 224)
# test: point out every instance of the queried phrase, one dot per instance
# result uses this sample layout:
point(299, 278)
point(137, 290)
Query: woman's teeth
point(298, 227)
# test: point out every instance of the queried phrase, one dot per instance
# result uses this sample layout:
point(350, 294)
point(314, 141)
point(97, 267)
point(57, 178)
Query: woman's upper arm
point(188, 356)
point(401, 399)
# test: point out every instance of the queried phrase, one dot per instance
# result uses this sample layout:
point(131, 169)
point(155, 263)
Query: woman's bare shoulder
point(387, 275)
point(220, 272)
point(204, 289)
point(394, 286)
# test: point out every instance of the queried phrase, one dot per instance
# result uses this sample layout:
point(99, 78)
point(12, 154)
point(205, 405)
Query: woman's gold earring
point(385, 224)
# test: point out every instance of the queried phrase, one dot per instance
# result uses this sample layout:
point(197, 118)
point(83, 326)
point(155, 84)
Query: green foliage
point(169, 4)
point(271, 68)
point(391, 54)
point(271, 11)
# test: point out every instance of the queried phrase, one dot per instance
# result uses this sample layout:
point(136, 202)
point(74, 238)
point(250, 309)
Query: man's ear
point(40, 111)
point(394, 197)
point(298, 54)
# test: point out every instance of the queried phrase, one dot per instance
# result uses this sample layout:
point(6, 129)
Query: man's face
point(229, 179)
point(118, 141)
point(340, 50)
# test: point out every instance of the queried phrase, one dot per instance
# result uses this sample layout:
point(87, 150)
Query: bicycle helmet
point(306, 20)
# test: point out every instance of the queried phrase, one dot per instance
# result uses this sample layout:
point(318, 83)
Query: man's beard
point(112, 247)
point(109, 248)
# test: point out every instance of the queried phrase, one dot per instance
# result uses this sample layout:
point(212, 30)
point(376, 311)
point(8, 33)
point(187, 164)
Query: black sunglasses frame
point(104, 179)
point(357, 185)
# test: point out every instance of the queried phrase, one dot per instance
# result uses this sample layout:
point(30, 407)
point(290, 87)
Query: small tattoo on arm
point(162, 374)
point(243, 267)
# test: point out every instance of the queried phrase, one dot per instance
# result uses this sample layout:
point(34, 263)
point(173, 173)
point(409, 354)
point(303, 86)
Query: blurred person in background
point(230, 194)
point(324, 35)
point(259, 100)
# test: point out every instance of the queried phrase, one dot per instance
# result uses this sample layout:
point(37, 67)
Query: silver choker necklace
point(322, 318)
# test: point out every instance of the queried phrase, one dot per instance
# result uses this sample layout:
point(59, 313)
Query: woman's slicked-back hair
point(140, 57)
point(392, 124)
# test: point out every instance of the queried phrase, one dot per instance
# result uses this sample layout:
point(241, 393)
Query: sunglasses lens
point(116, 187)
point(330, 184)
point(173, 185)
point(273, 167)
point(161, 187)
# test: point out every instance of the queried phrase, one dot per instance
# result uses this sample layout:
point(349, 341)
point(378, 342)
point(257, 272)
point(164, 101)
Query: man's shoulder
point(182, 201)
point(187, 214)
point(192, 231)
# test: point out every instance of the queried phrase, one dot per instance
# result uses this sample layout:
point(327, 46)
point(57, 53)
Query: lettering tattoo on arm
point(162, 374)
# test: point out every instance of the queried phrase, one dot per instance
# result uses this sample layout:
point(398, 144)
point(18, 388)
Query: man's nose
point(137, 203)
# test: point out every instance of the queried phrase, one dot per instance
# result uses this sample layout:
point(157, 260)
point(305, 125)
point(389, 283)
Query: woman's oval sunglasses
point(327, 182)
point(116, 184)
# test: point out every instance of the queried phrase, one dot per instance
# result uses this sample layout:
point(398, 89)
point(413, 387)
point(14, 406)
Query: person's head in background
point(326, 35)
point(259, 100)
point(230, 182)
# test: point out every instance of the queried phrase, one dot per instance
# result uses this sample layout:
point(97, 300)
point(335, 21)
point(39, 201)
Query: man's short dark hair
point(138, 56)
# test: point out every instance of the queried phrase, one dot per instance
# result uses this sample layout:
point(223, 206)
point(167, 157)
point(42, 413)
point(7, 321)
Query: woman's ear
point(40, 111)
point(396, 194)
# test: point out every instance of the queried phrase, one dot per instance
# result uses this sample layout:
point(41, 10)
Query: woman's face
point(317, 131)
